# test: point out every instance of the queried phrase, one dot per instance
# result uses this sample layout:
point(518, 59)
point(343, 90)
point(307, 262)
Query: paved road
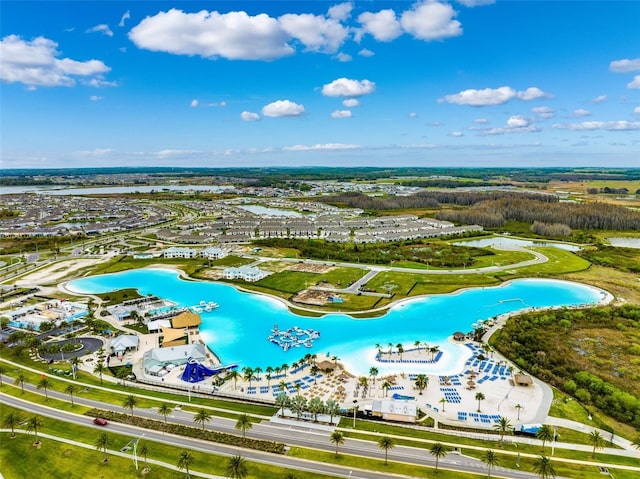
point(293, 436)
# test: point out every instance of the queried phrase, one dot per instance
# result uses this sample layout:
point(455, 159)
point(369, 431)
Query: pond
point(238, 330)
point(625, 242)
point(502, 241)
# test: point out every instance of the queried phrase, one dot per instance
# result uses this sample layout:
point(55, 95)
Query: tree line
point(497, 212)
point(589, 353)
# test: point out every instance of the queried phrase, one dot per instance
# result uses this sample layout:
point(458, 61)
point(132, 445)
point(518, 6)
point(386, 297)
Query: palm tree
point(385, 386)
point(443, 401)
point(243, 424)
point(201, 417)
point(283, 387)
point(545, 433)
point(400, 350)
point(433, 350)
point(101, 445)
point(122, 375)
point(164, 410)
point(282, 401)
point(373, 372)
point(337, 438)
point(421, 382)
point(33, 424)
point(479, 398)
point(416, 344)
point(11, 420)
point(236, 468)
point(257, 372)
point(234, 375)
point(543, 467)
point(130, 402)
point(74, 365)
point(490, 458)
point(316, 406)
point(379, 348)
point(99, 369)
point(332, 408)
point(143, 450)
point(248, 375)
point(297, 387)
point(298, 405)
point(45, 384)
point(438, 450)
point(390, 348)
point(518, 407)
point(285, 368)
point(503, 426)
point(386, 443)
point(19, 380)
point(597, 441)
point(184, 461)
point(314, 372)
point(70, 389)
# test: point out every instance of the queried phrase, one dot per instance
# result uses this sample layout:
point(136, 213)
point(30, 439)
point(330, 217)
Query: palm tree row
point(299, 405)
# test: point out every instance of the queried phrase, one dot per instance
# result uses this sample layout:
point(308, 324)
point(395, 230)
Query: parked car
point(100, 421)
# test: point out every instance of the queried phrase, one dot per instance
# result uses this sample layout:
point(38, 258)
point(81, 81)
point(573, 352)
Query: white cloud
point(383, 25)
point(493, 96)
point(102, 28)
point(456, 134)
point(475, 3)
point(95, 98)
point(625, 66)
point(544, 112)
point(581, 112)
point(125, 16)
point(481, 121)
point(316, 32)
point(430, 20)
point(99, 82)
point(35, 63)
point(366, 53)
point(249, 116)
point(233, 35)
point(351, 102)
point(341, 114)
point(637, 110)
point(93, 153)
point(515, 124)
point(344, 57)
point(347, 87)
point(325, 146)
point(635, 84)
point(599, 99)
point(282, 108)
point(175, 152)
point(621, 125)
point(413, 114)
point(341, 11)
point(194, 103)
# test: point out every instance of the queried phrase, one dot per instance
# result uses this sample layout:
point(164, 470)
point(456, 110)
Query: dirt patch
point(56, 272)
point(313, 297)
point(68, 453)
point(310, 268)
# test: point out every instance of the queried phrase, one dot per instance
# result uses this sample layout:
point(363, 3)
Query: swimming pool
point(237, 331)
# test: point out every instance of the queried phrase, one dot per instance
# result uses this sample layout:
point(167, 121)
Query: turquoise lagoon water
point(237, 331)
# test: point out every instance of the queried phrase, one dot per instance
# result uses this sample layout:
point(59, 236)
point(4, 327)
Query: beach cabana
point(186, 320)
point(522, 380)
point(173, 337)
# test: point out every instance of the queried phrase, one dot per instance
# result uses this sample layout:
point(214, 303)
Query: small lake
point(264, 211)
point(238, 330)
point(625, 242)
point(502, 241)
point(61, 191)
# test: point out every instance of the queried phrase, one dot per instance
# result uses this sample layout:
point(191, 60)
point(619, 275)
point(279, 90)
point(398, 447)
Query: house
point(177, 252)
point(124, 343)
point(213, 253)
point(395, 410)
point(176, 355)
point(246, 273)
point(157, 325)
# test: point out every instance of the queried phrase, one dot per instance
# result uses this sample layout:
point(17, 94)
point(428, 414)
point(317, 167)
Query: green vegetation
point(592, 354)
point(437, 254)
point(624, 259)
point(413, 284)
point(231, 261)
point(116, 297)
point(559, 262)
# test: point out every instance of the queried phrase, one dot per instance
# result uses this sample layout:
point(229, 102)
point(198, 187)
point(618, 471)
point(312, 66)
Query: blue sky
point(361, 83)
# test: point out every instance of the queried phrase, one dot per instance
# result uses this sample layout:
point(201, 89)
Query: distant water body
point(237, 331)
point(109, 190)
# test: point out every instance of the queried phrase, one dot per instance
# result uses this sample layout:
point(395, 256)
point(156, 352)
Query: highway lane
point(293, 436)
